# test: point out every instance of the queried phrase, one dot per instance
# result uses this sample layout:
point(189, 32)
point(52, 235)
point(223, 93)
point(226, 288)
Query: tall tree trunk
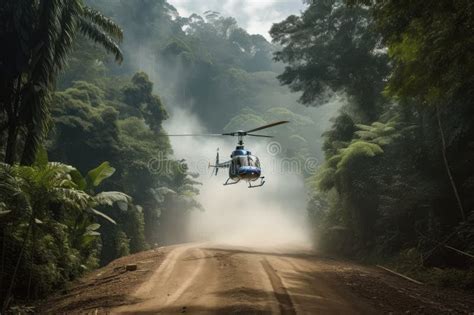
point(11, 141)
point(2, 268)
point(446, 165)
point(13, 125)
point(33, 253)
point(29, 150)
point(3, 127)
point(17, 266)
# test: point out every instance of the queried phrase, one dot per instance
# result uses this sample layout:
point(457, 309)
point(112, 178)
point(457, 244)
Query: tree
point(433, 58)
point(431, 49)
point(139, 95)
point(120, 120)
point(382, 189)
point(332, 48)
point(39, 36)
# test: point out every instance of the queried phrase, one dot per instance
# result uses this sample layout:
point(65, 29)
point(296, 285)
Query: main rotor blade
point(268, 126)
point(263, 136)
point(194, 135)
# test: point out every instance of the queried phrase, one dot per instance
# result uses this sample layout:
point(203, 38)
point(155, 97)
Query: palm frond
point(160, 193)
point(72, 198)
point(8, 182)
point(43, 63)
point(104, 22)
point(66, 35)
point(364, 127)
point(92, 31)
point(108, 198)
point(11, 190)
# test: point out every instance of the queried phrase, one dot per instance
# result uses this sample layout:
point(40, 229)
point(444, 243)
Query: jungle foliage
point(39, 36)
point(397, 174)
point(66, 94)
point(55, 223)
point(50, 223)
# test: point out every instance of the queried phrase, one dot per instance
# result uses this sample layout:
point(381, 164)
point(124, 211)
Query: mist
point(271, 215)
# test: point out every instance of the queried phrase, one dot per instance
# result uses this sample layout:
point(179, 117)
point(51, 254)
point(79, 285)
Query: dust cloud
point(272, 215)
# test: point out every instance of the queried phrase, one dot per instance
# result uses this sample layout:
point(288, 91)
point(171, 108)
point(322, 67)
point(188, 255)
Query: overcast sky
point(256, 16)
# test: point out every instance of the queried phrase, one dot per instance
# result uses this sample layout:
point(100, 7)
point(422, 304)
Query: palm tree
point(37, 37)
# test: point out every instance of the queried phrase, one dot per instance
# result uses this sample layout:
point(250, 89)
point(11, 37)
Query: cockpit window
point(247, 160)
point(253, 160)
point(243, 161)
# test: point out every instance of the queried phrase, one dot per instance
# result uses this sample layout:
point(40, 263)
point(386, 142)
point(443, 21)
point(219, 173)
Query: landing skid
point(231, 183)
point(262, 181)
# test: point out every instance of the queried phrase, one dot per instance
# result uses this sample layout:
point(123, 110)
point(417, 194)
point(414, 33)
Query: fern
point(356, 150)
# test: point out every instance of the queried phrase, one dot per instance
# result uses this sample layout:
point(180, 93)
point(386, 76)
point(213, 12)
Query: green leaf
point(91, 233)
point(139, 209)
point(78, 179)
point(38, 221)
point(98, 174)
point(108, 198)
point(4, 212)
point(41, 159)
point(122, 205)
point(103, 215)
point(93, 227)
point(356, 150)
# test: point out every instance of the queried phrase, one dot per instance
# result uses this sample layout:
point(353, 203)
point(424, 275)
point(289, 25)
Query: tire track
point(281, 294)
point(165, 273)
point(189, 280)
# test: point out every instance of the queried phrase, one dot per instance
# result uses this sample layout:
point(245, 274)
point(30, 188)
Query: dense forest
point(397, 179)
point(86, 87)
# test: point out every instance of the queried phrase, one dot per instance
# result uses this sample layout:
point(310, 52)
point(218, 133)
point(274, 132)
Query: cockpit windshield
point(253, 161)
point(248, 160)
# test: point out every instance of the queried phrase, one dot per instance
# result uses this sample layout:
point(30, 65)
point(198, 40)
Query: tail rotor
point(216, 166)
point(217, 161)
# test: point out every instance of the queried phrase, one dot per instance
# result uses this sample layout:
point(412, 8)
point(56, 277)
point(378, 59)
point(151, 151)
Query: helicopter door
point(234, 167)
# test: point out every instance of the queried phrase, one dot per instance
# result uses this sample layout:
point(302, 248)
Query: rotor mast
point(240, 137)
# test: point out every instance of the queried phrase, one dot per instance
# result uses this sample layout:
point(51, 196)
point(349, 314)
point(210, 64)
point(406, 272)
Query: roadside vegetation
point(61, 219)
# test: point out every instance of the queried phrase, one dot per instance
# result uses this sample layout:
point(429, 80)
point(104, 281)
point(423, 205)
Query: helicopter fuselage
point(244, 165)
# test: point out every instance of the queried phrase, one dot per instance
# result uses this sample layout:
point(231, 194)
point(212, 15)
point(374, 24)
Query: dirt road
point(222, 279)
point(218, 279)
point(211, 278)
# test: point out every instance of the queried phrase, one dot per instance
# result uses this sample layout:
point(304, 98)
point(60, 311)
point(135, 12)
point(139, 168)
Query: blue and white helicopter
point(242, 165)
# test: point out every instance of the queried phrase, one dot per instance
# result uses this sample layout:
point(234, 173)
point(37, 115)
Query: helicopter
point(243, 165)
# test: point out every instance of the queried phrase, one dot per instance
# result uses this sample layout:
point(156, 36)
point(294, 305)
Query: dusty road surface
point(223, 279)
point(211, 278)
